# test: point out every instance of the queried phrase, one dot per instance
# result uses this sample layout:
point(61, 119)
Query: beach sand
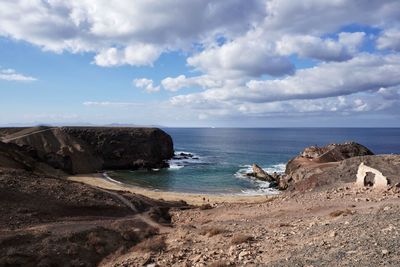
point(99, 180)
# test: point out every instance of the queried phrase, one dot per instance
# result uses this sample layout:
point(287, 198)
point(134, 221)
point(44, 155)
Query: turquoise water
point(222, 156)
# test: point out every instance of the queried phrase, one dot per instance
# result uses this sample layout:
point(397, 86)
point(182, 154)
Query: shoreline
point(98, 180)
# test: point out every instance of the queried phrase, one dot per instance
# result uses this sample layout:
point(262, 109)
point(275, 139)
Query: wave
point(184, 158)
point(247, 169)
point(106, 176)
point(262, 187)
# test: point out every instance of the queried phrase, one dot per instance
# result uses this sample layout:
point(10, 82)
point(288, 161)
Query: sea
point(216, 160)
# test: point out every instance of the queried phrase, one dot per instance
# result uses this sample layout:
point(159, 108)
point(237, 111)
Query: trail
point(127, 203)
point(25, 135)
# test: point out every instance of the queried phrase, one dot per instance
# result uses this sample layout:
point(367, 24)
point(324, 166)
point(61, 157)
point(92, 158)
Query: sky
point(200, 63)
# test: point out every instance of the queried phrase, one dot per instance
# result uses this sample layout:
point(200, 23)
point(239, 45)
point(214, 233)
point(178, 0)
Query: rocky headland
point(323, 217)
point(76, 150)
point(47, 220)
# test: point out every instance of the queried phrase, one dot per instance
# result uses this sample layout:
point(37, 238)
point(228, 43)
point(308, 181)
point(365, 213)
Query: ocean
point(220, 157)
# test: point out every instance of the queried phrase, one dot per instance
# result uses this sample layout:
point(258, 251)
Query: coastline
point(98, 180)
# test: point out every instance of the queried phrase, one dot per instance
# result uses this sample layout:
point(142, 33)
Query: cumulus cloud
point(12, 75)
point(137, 55)
point(390, 39)
point(174, 84)
point(363, 73)
point(125, 31)
point(307, 46)
point(240, 51)
point(146, 84)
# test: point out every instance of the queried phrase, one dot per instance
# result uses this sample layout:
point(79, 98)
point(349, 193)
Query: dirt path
point(339, 227)
point(143, 217)
point(5, 140)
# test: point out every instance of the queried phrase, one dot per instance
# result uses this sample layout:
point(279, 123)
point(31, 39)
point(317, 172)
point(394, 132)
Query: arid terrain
point(345, 226)
point(50, 217)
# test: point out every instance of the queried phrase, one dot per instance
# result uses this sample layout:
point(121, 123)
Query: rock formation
point(337, 163)
point(90, 149)
point(260, 174)
point(378, 181)
point(46, 220)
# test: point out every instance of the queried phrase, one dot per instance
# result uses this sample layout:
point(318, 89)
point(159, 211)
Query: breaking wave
point(262, 187)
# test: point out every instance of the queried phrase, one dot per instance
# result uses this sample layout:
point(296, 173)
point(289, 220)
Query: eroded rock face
point(335, 152)
point(90, 149)
point(307, 170)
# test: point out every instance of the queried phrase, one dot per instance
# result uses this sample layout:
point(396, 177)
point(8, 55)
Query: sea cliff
point(76, 150)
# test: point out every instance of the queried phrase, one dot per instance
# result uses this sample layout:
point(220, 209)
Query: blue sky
point(256, 63)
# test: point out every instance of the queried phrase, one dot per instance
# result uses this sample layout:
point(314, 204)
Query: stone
point(379, 180)
point(259, 173)
point(332, 234)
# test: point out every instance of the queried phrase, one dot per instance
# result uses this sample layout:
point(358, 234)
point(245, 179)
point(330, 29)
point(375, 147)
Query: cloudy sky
point(253, 63)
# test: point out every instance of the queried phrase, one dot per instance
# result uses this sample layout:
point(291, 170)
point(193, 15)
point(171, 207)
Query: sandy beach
point(97, 179)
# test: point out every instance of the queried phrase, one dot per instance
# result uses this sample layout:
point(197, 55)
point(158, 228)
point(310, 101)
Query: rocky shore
point(324, 217)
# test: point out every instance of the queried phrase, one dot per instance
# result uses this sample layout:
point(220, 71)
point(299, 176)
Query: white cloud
point(390, 39)
point(246, 56)
point(12, 75)
point(110, 104)
point(308, 46)
point(174, 84)
point(360, 74)
point(146, 84)
point(137, 55)
point(125, 31)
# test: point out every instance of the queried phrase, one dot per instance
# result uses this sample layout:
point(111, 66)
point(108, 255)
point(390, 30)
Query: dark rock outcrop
point(13, 156)
point(260, 174)
point(90, 149)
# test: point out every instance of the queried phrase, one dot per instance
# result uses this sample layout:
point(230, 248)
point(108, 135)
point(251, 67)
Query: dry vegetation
point(212, 231)
point(241, 238)
point(155, 244)
point(337, 213)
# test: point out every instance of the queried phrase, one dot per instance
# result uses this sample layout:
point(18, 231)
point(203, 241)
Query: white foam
point(175, 166)
point(105, 175)
point(247, 169)
point(263, 187)
point(178, 163)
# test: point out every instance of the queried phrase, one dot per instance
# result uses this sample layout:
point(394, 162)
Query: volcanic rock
point(90, 149)
point(336, 163)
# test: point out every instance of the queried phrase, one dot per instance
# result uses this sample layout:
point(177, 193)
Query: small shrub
point(337, 213)
point(212, 231)
point(285, 225)
point(239, 239)
point(205, 207)
point(155, 244)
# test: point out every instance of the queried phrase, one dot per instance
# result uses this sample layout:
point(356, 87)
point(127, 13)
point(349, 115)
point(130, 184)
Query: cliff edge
point(89, 149)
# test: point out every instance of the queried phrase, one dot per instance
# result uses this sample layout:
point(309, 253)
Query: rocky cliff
point(336, 163)
point(46, 220)
point(90, 149)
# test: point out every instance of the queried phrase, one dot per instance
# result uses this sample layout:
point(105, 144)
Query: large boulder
point(260, 174)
